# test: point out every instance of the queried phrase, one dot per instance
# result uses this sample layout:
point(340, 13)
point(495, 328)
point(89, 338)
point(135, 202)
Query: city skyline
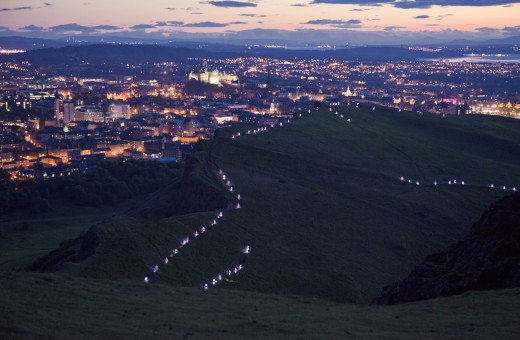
point(329, 21)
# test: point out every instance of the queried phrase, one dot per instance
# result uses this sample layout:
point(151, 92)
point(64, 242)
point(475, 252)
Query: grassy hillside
point(58, 307)
point(323, 207)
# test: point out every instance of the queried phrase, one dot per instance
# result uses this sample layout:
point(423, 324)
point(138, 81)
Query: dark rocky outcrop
point(70, 251)
point(487, 258)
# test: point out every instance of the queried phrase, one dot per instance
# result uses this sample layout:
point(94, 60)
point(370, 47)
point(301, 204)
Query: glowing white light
point(409, 181)
point(373, 109)
point(238, 196)
point(462, 182)
point(203, 230)
point(231, 189)
point(155, 269)
point(247, 250)
point(220, 214)
point(417, 183)
point(402, 179)
point(348, 120)
point(175, 251)
point(196, 234)
point(504, 188)
point(238, 205)
point(449, 182)
point(146, 280)
point(491, 186)
point(341, 116)
point(434, 183)
point(220, 277)
point(206, 286)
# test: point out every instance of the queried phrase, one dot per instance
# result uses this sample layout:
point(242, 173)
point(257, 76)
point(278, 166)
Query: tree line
point(109, 182)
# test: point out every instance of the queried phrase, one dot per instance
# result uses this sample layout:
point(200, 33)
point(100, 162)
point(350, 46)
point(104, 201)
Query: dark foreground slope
point(42, 306)
point(487, 258)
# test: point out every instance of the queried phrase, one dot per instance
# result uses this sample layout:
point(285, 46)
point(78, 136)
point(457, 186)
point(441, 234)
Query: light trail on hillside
point(198, 233)
point(455, 182)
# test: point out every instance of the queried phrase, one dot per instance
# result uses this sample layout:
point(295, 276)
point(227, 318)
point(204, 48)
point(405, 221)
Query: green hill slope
point(323, 207)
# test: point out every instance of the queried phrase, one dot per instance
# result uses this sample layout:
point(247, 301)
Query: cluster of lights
point(197, 233)
point(228, 272)
point(260, 129)
point(340, 114)
point(456, 182)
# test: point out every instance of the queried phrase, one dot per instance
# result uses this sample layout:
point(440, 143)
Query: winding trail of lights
point(232, 271)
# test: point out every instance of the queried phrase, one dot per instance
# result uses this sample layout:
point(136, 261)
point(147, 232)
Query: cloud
point(253, 15)
point(511, 30)
point(169, 23)
point(71, 27)
point(486, 29)
point(142, 26)
point(231, 4)
point(207, 24)
point(335, 23)
point(3, 28)
point(106, 27)
point(15, 9)
point(299, 5)
point(47, 4)
point(440, 17)
point(393, 28)
point(423, 16)
point(416, 3)
point(32, 28)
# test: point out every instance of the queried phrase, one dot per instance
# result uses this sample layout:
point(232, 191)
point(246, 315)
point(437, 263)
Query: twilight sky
point(330, 21)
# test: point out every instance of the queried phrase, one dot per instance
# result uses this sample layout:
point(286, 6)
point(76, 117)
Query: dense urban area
point(58, 119)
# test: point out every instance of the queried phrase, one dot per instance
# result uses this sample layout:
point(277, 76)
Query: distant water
point(475, 58)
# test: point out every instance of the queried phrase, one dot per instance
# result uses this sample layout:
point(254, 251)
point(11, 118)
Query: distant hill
point(102, 54)
point(324, 209)
point(22, 43)
point(504, 41)
point(487, 258)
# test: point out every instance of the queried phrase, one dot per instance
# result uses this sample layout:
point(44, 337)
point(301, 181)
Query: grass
point(41, 306)
point(328, 222)
point(323, 208)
